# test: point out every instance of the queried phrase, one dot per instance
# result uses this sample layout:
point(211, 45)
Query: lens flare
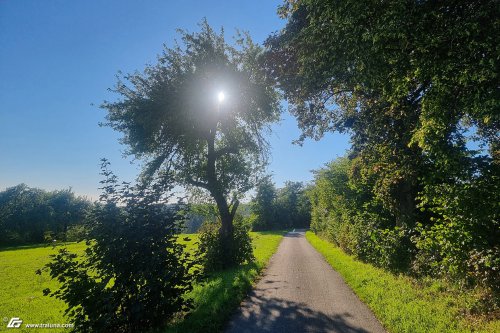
point(221, 96)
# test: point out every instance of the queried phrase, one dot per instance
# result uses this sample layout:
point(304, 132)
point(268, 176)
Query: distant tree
point(198, 114)
point(264, 205)
point(31, 215)
point(193, 223)
point(23, 217)
point(292, 206)
point(66, 210)
point(287, 207)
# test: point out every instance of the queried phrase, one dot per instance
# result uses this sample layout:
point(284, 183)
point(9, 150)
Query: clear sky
point(57, 59)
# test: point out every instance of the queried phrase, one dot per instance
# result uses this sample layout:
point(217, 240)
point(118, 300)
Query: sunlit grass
point(401, 304)
point(217, 299)
point(21, 289)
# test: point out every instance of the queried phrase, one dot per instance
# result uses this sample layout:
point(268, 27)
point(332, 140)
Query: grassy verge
point(216, 300)
point(401, 304)
point(21, 289)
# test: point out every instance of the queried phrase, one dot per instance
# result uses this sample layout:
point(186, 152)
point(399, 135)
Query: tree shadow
point(278, 315)
point(293, 234)
point(35, 246)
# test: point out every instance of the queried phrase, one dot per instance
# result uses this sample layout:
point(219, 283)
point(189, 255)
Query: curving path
point(300, 292)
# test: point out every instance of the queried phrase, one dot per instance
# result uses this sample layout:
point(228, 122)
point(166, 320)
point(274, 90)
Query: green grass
point(21, 289)
point(400, 303)
point(217, 299)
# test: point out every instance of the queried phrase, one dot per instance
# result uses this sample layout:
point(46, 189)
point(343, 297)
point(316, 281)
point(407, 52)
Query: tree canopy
point(199, 115)
point(334, 57)
point(415, 84)
point(282, 208)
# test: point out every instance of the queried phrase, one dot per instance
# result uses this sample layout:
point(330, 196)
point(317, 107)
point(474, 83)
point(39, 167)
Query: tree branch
point(234, 206)
point(196, 183)
point(225, 150)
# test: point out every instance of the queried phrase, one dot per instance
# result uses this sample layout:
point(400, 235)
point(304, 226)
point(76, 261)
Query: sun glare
point(221, 96)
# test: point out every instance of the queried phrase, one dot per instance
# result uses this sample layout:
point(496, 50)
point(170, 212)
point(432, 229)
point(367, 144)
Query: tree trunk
point(226, 231)
point(225, 215)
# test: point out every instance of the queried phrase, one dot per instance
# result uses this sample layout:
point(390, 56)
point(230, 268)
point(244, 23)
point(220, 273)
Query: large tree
point(406, 78)
point(441, 57)
point(199, 114)
point(412, 82)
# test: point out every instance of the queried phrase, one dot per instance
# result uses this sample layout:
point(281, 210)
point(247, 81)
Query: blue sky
point(57, 59)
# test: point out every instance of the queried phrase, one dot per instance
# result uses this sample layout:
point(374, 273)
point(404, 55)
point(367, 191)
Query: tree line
point(415, 84)
point(279, 209)
point(30, 215)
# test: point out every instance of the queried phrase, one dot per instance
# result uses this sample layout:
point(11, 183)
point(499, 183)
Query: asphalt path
point(300, 292)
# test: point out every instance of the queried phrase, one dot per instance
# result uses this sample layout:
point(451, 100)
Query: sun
point(221, 96)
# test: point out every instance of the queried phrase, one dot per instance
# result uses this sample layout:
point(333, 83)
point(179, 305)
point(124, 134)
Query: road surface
point(300, 292)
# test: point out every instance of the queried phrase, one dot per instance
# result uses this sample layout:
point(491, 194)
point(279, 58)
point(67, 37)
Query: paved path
point(300, 292)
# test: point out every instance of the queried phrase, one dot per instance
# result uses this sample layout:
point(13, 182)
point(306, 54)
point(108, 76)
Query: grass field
point(21, 289)
point(399, 302)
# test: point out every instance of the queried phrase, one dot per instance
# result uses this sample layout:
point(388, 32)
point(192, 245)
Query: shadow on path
point(277, 315)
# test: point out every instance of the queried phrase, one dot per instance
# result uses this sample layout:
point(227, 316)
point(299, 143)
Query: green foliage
point(462, 241)
point(134, 273)
point(351, 219)
point(170, 117)
point(76, 233)
point(31, 215)
point(389, 248)
point(403, 304)
point(214, 253)
point(439, 58)
point(413, 82)
point(264, 205)
point(292, 206)
point(215, 300)
point(283, 208)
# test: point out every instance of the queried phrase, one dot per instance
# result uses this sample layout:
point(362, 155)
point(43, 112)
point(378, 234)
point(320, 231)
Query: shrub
point(76, 233)
point(391, 248)
point(134, 273)
point(462, 243)
point(213, 253)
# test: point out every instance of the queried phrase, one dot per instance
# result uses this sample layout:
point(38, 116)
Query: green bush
point(76, 233)
point(462, 243)
point(213, 251)
point(391, 248)
point(134, 273)
point(352, 218)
